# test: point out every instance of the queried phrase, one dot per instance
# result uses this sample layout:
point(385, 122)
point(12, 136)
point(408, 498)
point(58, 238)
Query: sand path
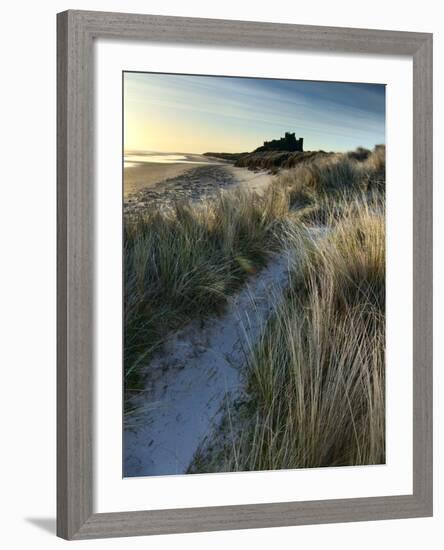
point(247, 179)
point(199, 369)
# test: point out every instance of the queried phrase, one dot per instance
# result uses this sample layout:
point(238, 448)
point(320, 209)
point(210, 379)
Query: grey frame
point(76, 32)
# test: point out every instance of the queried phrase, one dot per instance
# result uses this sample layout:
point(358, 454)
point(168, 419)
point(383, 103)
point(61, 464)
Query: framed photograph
point(244, 275)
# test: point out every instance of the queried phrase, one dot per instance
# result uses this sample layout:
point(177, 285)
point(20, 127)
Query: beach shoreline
point(148, 175)
point(162, 184)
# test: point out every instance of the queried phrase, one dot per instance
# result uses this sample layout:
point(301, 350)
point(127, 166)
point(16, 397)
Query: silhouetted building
point(286, 143)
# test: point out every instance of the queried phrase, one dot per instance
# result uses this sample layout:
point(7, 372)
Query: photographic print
point(253, 274)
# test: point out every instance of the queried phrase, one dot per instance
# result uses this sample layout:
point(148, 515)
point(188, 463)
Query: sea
point(135, 158)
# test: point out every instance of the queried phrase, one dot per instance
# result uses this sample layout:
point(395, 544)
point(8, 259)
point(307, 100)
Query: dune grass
point(315, 379)
point(277, 160)
point(335, 175)
point(183, 262)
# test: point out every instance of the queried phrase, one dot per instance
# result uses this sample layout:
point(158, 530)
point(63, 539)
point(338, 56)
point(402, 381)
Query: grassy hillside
point(278, 160)
point(315, 379)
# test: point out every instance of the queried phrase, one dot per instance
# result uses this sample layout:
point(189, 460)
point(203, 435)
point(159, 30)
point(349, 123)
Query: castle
point(286, 143)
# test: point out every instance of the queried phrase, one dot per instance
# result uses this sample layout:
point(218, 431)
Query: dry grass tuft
point(184, 262)
point(316, 378)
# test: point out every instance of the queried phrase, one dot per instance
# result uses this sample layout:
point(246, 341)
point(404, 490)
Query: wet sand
point(148, 174)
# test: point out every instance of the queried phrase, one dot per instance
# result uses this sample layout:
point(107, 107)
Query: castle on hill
point(286, 143)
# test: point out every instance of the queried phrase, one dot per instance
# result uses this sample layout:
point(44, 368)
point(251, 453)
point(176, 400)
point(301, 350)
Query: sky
point(197, 114)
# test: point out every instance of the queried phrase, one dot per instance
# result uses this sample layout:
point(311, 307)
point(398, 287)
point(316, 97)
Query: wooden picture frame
point(77, 31)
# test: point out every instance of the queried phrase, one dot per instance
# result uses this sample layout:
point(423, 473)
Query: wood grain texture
point(62, 294)
point(222, 518)
point(74, 276)
point(423, 273)
point(77, 31)
point(230, 33)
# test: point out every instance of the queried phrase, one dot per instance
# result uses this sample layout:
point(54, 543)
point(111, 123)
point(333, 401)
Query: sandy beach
point(149, 174)
point(162, 183)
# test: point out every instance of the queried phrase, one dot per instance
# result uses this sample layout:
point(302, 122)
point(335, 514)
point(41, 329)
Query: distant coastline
point(135, 158)
point(146, 170)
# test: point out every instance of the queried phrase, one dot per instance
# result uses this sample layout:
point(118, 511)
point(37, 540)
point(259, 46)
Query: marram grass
point(316, 378)
point(183, 262)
